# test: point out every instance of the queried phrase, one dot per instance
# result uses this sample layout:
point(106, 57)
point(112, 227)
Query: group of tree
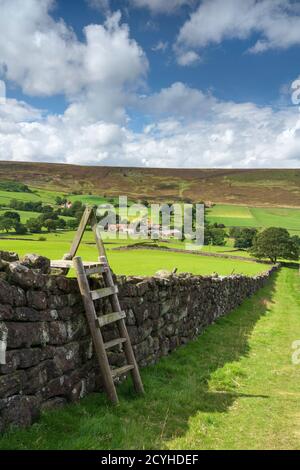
point(273, 242)
point(48, 220)
point(29, 206)
point(215, 235)
point(14, 187)
point(243, 237)
point(76, 210)
point(276, 243)
point(12, 221)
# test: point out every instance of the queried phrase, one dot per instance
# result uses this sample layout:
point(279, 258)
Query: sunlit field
point(259, 217)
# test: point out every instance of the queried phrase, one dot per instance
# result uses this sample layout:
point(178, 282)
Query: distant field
point(145, 262)
point(48, 197)
point(131, 262)
point(274, 188)
point(38, 195)
point(88, 199)
point(259, 217)
point(25, 215)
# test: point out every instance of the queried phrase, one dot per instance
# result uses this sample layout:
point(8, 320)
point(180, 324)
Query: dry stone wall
point(46, 353)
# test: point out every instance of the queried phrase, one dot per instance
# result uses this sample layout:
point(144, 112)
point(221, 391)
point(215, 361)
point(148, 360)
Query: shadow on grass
point(177, 388)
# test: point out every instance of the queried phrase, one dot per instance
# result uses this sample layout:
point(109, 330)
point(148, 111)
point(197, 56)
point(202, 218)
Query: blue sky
point(181, 83)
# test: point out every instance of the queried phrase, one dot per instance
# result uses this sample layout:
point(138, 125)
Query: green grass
point(233, 388)
point(90, 199)
point(25, 215)
point(145, 262)
point(259, 217)
point(131, 262)
point(38, 195)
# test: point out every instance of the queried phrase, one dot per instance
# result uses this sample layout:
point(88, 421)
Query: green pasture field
point(258, 217)
point(37, 195)
point(131, 262)
point(26, 215)
point(229, 215)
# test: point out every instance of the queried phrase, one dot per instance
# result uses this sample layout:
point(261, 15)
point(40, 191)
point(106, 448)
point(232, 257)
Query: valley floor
point(235, 387)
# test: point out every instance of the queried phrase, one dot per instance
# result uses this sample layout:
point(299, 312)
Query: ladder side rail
point(95, 331)
point(130, 357)
point(79, 233)
point(98, 239)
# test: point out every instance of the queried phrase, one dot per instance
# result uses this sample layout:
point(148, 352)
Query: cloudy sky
point(158, 83)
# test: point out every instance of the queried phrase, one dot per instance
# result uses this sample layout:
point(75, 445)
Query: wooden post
point(114, 300)
point(95, 330)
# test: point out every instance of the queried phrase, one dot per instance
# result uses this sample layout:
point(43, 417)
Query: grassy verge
point(234, 387)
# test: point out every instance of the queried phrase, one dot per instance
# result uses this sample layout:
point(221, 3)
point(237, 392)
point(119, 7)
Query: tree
point(6, 224)
point(50, 225)
point(274, 243)
point(214, 236)
point(47, 216)
point(61, 223)
point(34, 225)
point(296, 240)
point(20, 229)
point(244, 238)
point(14, 186)
point(47, 209)
point(72, 224)
point(234, 232)
point(14, 216)
point(14, 203)
point(218, 236)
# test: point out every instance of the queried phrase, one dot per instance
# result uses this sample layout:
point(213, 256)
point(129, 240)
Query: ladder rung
point(110, 318)
point(114, 342)
point(104, 292)
point(64, 263)
point(98, 269)
point(122, 370)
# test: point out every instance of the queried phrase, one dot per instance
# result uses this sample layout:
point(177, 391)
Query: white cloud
point(27, 135)
point(179, 101)
point(100, 77)
point(44, 57)
point(19, 111)
point(276, 21)
point(161, 6)
point(186, 58)
point(160, 46)
point(188, 128)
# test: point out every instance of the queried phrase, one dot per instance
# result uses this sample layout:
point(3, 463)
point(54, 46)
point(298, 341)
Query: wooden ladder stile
point(114, 300)
point(95, 322)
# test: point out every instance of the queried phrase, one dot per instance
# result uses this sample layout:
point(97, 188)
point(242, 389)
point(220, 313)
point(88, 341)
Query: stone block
point(33, 261)
point(26, 335)
point(11, 384)
point(25, 277)
point(37, 299)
